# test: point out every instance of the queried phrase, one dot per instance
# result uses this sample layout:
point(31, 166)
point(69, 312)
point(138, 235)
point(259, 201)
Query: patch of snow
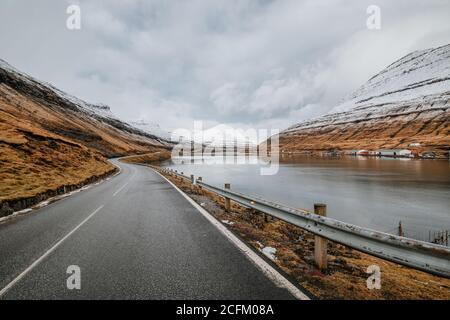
point(42, 204)
point(269, 252)
point(15, 214)
point(228, 222)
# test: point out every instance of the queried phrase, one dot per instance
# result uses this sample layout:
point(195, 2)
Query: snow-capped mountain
point(408, 102)
point(100, 110)
point(151, 128)
point(53, 110)
point(418, 74)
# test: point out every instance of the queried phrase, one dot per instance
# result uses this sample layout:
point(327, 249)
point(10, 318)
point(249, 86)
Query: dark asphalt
point(147, 242)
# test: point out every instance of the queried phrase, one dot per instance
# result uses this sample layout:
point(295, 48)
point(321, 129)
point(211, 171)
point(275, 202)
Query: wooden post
point(199, 187)
point(227, 200)
point(400, 229)
point(320, 244)
point(446, 238)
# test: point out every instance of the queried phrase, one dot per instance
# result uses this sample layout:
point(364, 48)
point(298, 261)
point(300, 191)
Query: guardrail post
point(400, 229)
point(192, 179)
point(227, 200)
point(320, 244)
point(199, 179)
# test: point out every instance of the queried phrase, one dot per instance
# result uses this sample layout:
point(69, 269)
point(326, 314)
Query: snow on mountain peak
point(420, 79)
point(99, 111)
point(151, 128)
point(417, 74)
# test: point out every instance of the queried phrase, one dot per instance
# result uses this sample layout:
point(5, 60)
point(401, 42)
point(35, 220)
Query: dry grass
point(33, 163)
point(346, 276)
point(46, 147)
point(157, 156)
point(21, 111)
point(433, 134)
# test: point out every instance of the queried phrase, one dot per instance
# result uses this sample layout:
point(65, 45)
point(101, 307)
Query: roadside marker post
point(320, 244)
point(227, 200)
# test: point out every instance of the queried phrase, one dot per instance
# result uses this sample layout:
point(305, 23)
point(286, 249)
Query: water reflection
point(372, 192)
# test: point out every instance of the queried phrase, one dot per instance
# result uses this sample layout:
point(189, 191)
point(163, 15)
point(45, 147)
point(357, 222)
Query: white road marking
point(46, 254)
point(122, 187)
point(267, 269)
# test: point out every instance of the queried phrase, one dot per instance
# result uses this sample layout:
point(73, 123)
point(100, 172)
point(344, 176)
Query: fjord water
point(376, 193)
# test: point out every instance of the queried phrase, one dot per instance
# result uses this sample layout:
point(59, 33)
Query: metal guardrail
point(174, 172)
point(428, 257)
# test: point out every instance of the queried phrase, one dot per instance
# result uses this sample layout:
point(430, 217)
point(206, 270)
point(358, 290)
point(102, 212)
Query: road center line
point(122, 187)
point(46, 254)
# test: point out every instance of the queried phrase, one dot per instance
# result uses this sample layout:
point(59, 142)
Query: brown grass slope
point(49, 146)
point(429, 128)
point(406, 103)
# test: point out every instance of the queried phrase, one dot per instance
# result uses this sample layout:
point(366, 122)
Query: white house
point(395, 153)
point(405, 153)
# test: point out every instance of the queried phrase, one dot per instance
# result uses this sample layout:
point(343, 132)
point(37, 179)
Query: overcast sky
point(246, 63)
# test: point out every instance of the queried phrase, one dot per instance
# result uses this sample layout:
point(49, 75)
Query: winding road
point(133, 236)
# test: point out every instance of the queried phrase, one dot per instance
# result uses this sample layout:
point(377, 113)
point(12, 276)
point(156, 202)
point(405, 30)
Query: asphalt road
point(133, 237)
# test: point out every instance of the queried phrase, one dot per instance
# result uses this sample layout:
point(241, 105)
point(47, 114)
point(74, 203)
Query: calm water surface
point(370, 192)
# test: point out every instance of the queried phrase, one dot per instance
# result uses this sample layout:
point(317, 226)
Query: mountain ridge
point(42, 91)
point(52, 142)
point(407, 102)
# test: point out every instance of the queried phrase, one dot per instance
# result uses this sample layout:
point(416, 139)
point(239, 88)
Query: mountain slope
point(408, 102)
point(62, 114)
point(151, 128)
point(51, 142)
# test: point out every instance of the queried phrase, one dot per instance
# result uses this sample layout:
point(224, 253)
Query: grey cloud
point(239, 62)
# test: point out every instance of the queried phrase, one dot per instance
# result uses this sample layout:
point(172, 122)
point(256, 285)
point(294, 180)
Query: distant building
point(428, 155)
point(394, 153)
point(406, 153)
point(363, 152)
point(414, 145)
